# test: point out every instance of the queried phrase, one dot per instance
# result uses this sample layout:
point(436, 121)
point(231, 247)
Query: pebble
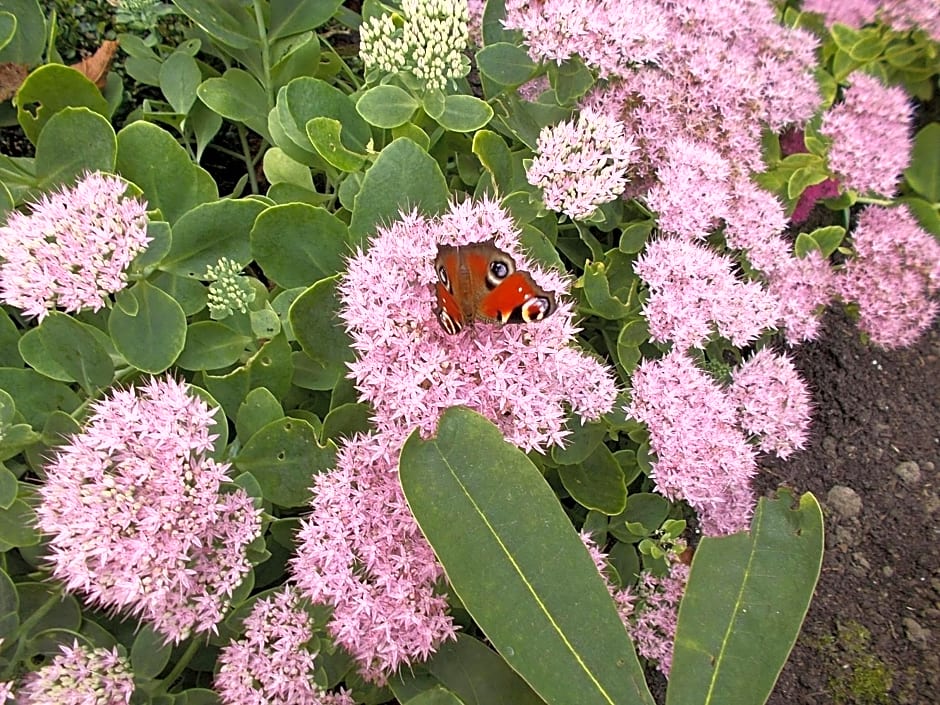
point(915, 633)
point(844, 501)
point(909, 472)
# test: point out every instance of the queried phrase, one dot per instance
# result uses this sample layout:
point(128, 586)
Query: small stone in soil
point(844, 501)
point(909, 472)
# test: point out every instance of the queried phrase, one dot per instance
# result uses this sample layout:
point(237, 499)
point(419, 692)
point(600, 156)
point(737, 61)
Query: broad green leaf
point(33, 351)
point(634, 236)
point(18, 525)
point(191, 294)
point(9, 335)
point(228, 21)
point(36, 396)
point(803, 178)
point(598, 294)
point(8, 486)
point(269, 367)
point(52, 88)
point(645, 508)
point(196, 696)
point(580, 443)
point(434, 696)
point(385, 192)
point(346, 420)
point(74, 141)
point(298, 55)
point(238, 96)
point(295, 16)
point(7, 28)
point(149, 653)
point(148, 327)
point(258, 410)
point(152, 159)
point(635, 332)
point(306, 98)
point(65, 613)
point(507, 64)
point(464, 113)
point(210, 231)
point(179, 78)
point(924, 172)
point(494, 155)
point(27, 44)
point(280, 168)
point(743, 606)
point(386, 106)
point(297, 244)
point(284, 456)
point(325, 134)
point(9, 607)
point(319, 330)
point(571, 80)
point(211, 345)
point(597, 482)
point(205, 125)
point(481, 502)
point(73, 347)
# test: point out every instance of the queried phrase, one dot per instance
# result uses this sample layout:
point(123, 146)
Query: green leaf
point(494, 155)
point(210, 231)
point(8, 487)
point(148, 327)
point(294, 16)
point(190, 294)
point(644, 508)
point(18, 525)
point(238, 96)
point(597, 482)
point(29, 41)
point(386, 106)
point(505, 63)
point(563, 636)
point(269, 367)
point(805, 177)
point(464, 113)
point(74, 141)
point(52, 88)
point(346, 420)
point(571, 80)
point(743, 606)
point(598, 294)
point(298, 244)
point(924, 172)
point(634, 236)
point(314, 320)
point(36, 396)
point(258, 410)
point(306, 98)
point(150, 653)
point(385, 193)
point(580, 443)
point(7, 28)
point(325, 134)
point(280, 168)
point(211, 345)
point(284, 456)
point(227, 21)
point(73, 347)
point(179, 78)
point(9, 607)
point(154, 161)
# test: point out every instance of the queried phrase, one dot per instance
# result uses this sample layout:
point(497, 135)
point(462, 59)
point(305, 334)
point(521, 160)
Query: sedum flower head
point(430, 42)
point(361, 552)
point(773, 402)
point(135, 516)
point(694, 292)
point(581, 164)
point(71, 251)
point(702, 456)
point(79, 675)
point(900, 14)
point(522, 377)
point(870, 133)
point(229, 291)
point(272, 663)
point(894, 277)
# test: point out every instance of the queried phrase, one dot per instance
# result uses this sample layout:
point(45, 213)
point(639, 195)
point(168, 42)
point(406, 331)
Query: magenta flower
point(892, 277)
point(136, 519)
point(79, 676)
point(524, 378)
point(273, 662)
point(693, 293)
point(773, 402)
point(6, 691)
point(870, 133)
point(361, 552)
point(702, 457)
point(72, 251)
point(581, 164)
point(900, 14)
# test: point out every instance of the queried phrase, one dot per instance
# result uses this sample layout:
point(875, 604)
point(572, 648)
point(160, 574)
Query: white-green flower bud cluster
point(229, 290)
point(430, 43)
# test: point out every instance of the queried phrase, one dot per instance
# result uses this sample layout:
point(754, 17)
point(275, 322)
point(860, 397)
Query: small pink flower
point(136, 519)
point(773, 402)
point(870, 133)
point(274, 662)
point(894, 276)
point(361, 552)
point(524, 378)
point(581, 164)
point(701, 455)
point(72, 251)
point(80, 676)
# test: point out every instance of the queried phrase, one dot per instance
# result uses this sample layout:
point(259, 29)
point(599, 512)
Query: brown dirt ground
point(872, 633)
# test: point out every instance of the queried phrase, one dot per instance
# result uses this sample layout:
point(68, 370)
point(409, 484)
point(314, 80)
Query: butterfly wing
point(517, 299)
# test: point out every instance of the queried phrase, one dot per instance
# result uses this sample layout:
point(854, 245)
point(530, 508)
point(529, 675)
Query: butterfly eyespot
point(443, 278)
point(500, 267)
point(536, 308)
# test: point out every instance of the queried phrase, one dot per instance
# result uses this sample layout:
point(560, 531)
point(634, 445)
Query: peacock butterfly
point(480, 282)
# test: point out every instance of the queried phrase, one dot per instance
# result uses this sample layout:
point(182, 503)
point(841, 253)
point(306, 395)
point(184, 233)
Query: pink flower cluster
point(135, 513)
point(272, 663)
point(79, 675)
point(693, 292)
point(894, 276)
point(581, 164)
point(695, 426)
point(361, 552)
point(72, 250)
point(900, 14)
point(870, 133)
point(524, 378)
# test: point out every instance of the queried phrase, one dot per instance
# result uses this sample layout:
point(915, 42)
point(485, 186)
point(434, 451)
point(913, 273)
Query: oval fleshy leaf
point(152, 338)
